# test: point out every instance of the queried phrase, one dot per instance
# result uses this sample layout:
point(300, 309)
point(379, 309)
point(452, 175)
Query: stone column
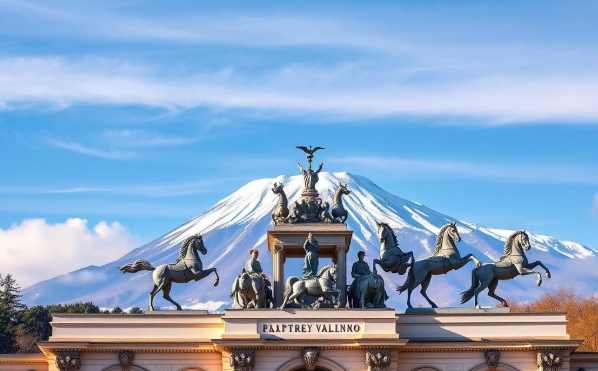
point(278, 272)
point(341, 280)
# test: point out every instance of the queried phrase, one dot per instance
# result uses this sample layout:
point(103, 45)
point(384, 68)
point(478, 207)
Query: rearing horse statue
point(513, 263)
point(281, 210)
point(187, 267)
point(392, 258)
point(446, 258)
point(338, 210)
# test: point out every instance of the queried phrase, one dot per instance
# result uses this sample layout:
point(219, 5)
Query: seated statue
point(251, 288)
point(367, 289)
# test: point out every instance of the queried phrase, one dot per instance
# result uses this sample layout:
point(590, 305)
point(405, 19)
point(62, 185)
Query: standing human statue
point(310, 177)
point(310, 262)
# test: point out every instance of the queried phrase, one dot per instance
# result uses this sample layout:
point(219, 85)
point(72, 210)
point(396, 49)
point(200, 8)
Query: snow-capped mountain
point(239, 222)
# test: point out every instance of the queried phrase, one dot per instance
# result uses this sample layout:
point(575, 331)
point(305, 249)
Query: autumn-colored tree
point(582, 314)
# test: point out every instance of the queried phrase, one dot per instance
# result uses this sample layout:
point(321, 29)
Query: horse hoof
point(216, 283)
point(478, 306)
point(538, 283)
point(547, 274)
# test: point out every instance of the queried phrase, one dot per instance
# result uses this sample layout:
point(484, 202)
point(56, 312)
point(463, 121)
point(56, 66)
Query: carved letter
point(126, 360)
point(377, 359)
point(549, 360)
point(492, 356)
point(68, 361)
point(242, 359)
point(310, 357)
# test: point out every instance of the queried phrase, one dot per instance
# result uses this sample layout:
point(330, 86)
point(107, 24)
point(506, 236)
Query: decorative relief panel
point(549, 360)
point(68, 361)
point(242, 359)
point(492, 357)
point(310, 357)
point(377, 359)
point(125, 358)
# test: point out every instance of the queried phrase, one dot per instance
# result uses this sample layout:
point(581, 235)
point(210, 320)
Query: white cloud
point(35, 250)
point(111, 154)
point(366, 90)
point(143, 138)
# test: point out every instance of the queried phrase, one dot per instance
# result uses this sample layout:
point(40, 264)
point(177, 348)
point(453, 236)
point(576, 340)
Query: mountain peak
point(240, 221)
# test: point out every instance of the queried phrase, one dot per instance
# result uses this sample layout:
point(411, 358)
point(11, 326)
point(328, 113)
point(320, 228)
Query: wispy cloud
point(439, 168)
point(111, 154)
point(143, 138)
point(355, 91)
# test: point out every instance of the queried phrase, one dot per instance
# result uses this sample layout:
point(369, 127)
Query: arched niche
point(499, 367)
point(323, 364)
point(191, 369)
point(426, 368)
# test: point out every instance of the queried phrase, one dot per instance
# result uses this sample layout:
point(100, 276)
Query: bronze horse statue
point(252, 292)
point(513, 263)
point(281, 210)
point(446, 258)
point(338, 210)
point(187, 267)
point(369, 293)
point(323, 284)
point(392, 258)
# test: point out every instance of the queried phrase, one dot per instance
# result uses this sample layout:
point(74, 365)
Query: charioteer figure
point(360, 270)
point(310, 262)
point(252, 287)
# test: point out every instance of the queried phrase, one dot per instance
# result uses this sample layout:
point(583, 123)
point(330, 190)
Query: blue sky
point(146, 113)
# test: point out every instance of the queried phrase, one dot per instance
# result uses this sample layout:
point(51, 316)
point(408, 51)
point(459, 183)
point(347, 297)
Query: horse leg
point(424, 287)
point(204, 273)
point(483, 284)
point(166, 294)
point(491, 287)
point(152, 294)
point(525, 271)
point(535, 264)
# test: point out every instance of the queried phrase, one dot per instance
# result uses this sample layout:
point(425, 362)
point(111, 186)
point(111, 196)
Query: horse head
point(343, 189)
point(198, 245)
point(277, 188)
point(382, 232)
point(524, 240)
point(453, 233)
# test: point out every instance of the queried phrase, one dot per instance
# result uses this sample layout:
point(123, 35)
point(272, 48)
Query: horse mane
point(322, 270)
point(439, 238)
point(509, 244)
point(185, 246)
point(394, 237)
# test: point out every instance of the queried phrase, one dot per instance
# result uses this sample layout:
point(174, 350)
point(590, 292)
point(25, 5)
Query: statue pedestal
point(286, 241)
point(310, 196)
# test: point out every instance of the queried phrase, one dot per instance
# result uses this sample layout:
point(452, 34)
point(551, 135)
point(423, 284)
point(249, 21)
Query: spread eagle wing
point(315, 149)
point(304, 149)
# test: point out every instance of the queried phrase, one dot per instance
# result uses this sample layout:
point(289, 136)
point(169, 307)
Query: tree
point(117, 310)
point(10, 307)
point(135, 310)
point(35, 322)
point(582, 314)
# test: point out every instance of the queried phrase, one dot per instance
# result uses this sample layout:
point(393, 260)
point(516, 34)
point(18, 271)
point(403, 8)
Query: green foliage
point(75, 308)
point(10, 307)
point(117, 310)
point(35, 321)
point(135, 310)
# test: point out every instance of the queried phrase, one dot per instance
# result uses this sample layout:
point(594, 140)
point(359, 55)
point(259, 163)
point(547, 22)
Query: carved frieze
point(125, 358)
point(549, 360)
point(377, 359)
point(68, 361)
point(310, 357)
point(242, 359)
point(492, 357)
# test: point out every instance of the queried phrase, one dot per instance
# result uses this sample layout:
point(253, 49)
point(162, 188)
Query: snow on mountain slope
point(239, 222)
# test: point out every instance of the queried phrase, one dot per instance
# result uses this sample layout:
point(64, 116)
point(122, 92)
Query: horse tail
point(408, 282)
point(136, 266)
point(475, 282)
